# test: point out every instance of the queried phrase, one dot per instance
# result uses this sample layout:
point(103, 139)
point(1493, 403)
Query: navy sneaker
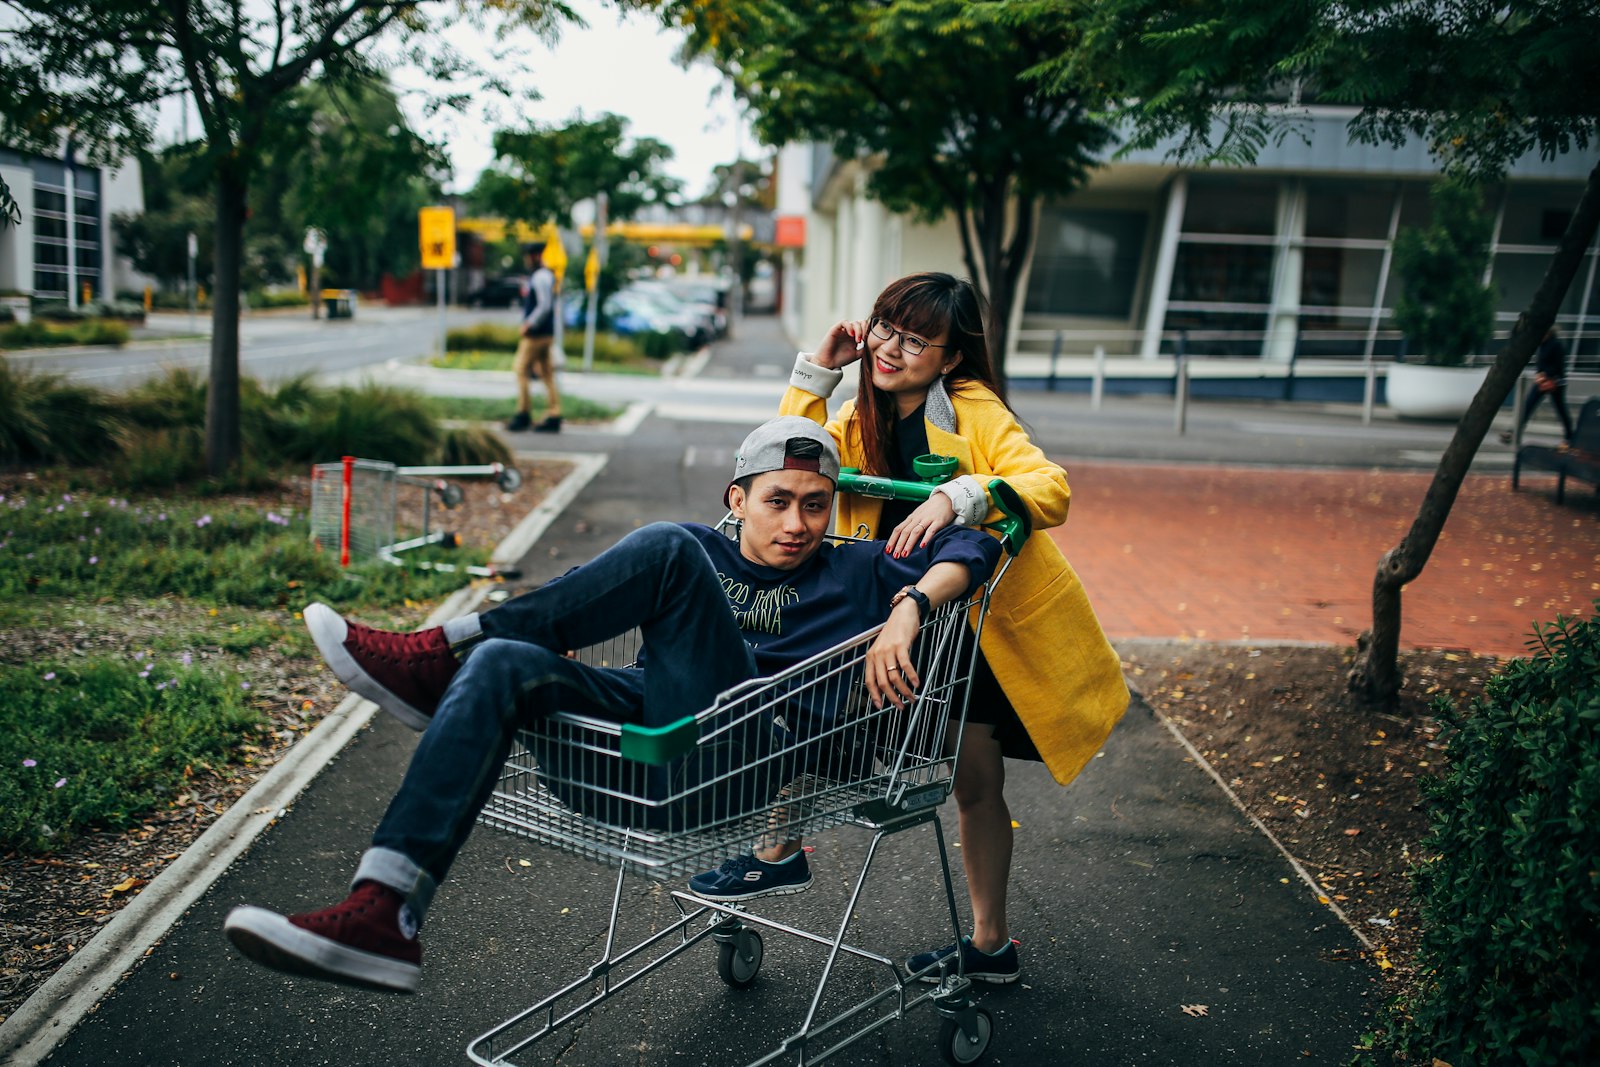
point(999, 968)
point(745, 877)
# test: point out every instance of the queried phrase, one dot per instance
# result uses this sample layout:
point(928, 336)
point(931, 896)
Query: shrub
point(39, 334)
point(473, 445)
point(490, 336)
point(372, 421)
point(1443, 308)
point(662, 344)
point(277, 298)
point(1510, 956)
point(45, 419)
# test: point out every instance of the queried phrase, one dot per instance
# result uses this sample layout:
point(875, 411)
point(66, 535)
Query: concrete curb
point(45, 1019)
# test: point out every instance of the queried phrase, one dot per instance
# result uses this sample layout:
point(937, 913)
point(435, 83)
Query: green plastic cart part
point(935, 470)
point(659, 744)
point(1017, 524)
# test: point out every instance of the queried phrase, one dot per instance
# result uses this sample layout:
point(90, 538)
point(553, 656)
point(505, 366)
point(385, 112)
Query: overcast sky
point(618, 64)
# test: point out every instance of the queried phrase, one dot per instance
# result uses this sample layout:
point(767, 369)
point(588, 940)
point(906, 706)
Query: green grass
point(38, 333)
point(99, 740)
point(195, 588)
point(497, 409)
point(491, 346)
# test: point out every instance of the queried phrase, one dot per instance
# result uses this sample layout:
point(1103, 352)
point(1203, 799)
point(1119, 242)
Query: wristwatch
point(921, 598)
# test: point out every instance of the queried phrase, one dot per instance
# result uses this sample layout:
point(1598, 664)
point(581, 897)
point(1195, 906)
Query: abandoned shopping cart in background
point(774, 759)
point(353, 505)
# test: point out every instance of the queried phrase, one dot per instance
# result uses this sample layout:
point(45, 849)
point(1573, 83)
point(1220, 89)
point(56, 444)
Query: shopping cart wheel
point(739, 960)
point(957, 1047)
point(509, 479)
point(450, 494)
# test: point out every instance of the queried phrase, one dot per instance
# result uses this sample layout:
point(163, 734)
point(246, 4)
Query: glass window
point(1349, 209)
point(1247, 329)
point(1532, 210)
point(1222, 274)
point(1086, 262)
point(1517, 276)
point(1231, 205)
point(1340, 277)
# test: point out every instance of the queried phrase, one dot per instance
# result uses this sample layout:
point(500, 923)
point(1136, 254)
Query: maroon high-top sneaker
point(369, 940)
point(404, 674)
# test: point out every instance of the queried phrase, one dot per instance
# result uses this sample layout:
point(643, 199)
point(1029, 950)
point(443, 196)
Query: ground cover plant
point(96, 738)
point(38, 333)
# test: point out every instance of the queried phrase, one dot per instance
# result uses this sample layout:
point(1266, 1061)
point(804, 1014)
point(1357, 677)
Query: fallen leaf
point(127, 884)
point(1195, 1010)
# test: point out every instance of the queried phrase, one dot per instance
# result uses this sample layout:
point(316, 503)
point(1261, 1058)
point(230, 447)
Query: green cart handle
point(659, 744)
point(1013, 528)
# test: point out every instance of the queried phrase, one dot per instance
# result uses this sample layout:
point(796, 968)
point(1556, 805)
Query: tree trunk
point(222, 394)
point(995, 261)
point(1375, 676)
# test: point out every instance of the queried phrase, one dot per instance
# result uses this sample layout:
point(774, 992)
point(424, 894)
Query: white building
point(1285, 264)
point(57, 198)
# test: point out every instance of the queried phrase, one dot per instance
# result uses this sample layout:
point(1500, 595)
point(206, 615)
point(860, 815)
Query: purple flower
point(161, 517)
point(244, 685)
point(30, 763)
point(66, 497)
point(60, 782)
point(186, 659)
point(160, 686)
point(93, 560)
point(145, 673)
point(138, 656)
point(202, 521)
point(50, 677)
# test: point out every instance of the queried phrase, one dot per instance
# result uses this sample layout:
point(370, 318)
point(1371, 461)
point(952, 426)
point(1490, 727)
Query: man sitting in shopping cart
point(472, 683)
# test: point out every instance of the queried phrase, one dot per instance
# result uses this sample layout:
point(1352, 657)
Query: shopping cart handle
point(1013, 528)
point(1017, 524)
point(659, 744)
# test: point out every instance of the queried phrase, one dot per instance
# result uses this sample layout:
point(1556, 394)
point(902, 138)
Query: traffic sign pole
point(591, 280)
point(436, 227)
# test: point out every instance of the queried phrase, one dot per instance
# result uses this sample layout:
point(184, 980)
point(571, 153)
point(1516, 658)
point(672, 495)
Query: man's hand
point(890, 673)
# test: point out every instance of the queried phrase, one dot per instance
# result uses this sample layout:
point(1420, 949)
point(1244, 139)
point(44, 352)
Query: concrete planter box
point(1418, 391)
point(21, 310)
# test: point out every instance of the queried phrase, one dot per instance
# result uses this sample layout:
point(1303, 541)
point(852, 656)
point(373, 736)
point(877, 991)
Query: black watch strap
point(912, 592)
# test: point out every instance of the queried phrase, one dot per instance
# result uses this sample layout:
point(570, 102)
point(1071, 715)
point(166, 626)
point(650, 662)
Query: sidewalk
point(1137, 892)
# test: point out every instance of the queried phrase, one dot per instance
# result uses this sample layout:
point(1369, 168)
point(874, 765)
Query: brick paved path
point(1233, 553)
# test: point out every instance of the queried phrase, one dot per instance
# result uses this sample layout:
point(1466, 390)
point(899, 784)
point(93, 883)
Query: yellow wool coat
point(1041, 638)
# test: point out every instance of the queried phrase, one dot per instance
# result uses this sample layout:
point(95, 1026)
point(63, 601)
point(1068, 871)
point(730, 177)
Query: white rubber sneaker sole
point(329, 631)
point(778, 891)
point(273, 941)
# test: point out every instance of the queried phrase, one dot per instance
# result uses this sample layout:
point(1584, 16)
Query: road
point(386, 343)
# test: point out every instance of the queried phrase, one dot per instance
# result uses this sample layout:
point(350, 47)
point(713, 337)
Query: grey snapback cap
point(789, 442)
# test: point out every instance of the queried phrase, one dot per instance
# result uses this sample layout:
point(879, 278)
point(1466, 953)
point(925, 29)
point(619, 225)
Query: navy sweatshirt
point(787, 616)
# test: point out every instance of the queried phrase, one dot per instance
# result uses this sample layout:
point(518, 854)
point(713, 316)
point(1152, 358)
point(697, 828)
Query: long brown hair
point(927, 305)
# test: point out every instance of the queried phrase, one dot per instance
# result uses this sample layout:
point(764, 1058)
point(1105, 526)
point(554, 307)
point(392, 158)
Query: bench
point(1580, 459)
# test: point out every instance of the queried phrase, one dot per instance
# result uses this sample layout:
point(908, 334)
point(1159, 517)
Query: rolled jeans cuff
point(396, 870)
point(463, 630)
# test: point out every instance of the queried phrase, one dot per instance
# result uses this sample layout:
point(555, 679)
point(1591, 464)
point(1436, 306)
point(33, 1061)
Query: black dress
point(988, 702)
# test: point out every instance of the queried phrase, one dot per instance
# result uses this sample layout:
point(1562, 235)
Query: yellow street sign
point(437, 228)
point(591, 269)
point(555, 255)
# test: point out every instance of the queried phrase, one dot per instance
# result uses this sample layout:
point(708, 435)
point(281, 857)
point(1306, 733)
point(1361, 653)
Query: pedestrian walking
point(1549, 379)
point(534, 348)
point(1047, 684)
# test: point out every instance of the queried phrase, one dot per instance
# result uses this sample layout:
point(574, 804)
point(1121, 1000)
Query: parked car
point(709, 325)
point(504, 291)
point(633, 310)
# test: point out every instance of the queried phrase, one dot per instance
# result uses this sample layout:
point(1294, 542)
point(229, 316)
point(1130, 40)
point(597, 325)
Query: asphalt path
point(1138, 893)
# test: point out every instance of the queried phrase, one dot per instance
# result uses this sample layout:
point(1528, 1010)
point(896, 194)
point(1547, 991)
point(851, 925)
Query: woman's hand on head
point(843, 345)
point(931, 516)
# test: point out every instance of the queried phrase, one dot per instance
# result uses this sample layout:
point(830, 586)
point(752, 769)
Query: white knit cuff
point(968, 497)
point(814, 378)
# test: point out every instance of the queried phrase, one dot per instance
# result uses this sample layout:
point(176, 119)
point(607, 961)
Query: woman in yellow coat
point(1048, 685)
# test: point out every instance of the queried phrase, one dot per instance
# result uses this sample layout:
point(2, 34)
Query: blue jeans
point(658, 579)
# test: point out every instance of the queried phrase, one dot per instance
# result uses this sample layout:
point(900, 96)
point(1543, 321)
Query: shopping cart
point(774, 759)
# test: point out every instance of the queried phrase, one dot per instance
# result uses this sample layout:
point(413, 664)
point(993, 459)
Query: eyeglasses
point(911, 346)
